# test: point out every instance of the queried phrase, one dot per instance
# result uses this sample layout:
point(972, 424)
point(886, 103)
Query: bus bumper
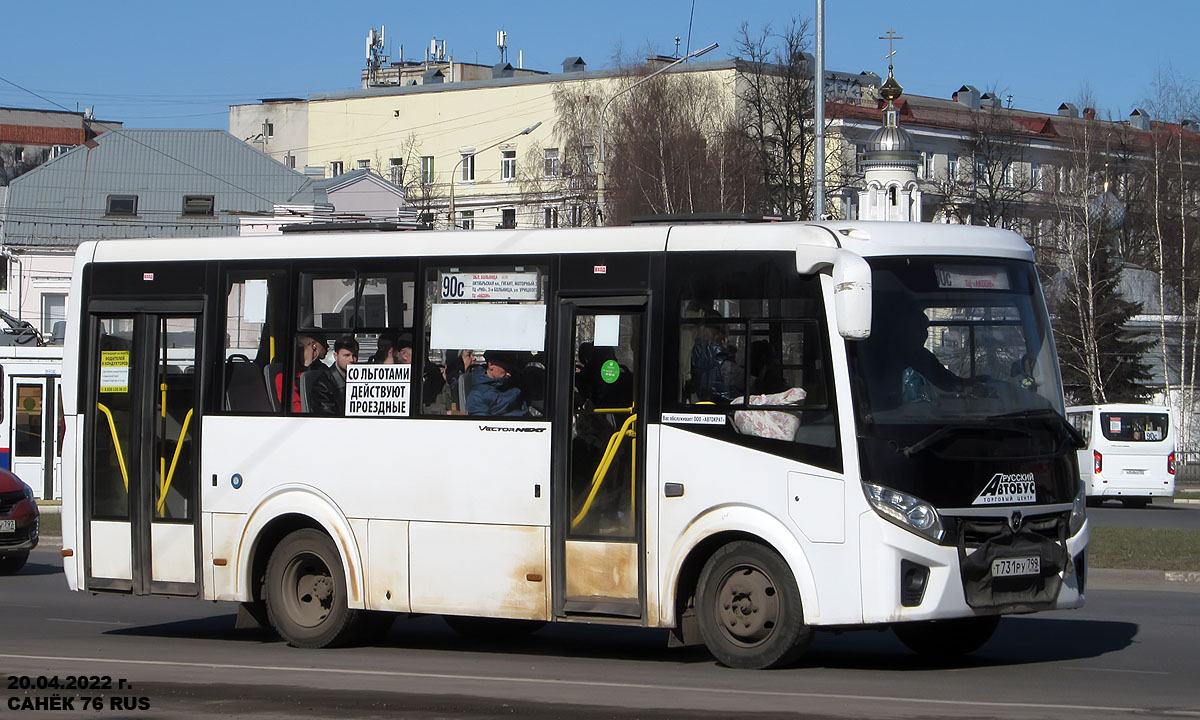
point(907, 577)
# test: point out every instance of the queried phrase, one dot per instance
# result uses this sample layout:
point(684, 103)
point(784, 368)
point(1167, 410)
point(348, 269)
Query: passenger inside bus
point(309, 349)
point(327, 385)
point(494, 388)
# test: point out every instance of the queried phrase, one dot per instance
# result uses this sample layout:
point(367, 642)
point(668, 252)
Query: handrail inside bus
point(610, 453)
point(166, 483)
point(112, 427)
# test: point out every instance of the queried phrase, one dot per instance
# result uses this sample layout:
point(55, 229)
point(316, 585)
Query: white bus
point(1130, 453)
point(30, 416)
point(902, 458)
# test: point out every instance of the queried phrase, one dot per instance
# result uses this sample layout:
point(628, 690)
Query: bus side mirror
point(851, 287)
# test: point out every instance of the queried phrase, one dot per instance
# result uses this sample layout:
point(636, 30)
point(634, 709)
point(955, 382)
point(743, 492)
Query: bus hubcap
point(749, 605)
point(312, 590)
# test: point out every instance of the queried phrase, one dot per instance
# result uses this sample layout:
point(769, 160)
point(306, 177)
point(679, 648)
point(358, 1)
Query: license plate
point(1135, 471)
point(8, 526)
point(1012, 567)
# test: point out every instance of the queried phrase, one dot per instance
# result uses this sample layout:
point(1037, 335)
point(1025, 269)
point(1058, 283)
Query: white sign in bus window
point(607, 331)
point(472, 326)
point(971, 277)
point(378, 390)
point(490, 286)
point(255, 302)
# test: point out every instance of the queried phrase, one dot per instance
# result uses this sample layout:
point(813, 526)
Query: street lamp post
point(600, 158)
point(465, 152)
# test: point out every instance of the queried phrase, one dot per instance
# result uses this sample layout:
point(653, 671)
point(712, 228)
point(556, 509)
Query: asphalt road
point(1129, 652)
point(1160, 515)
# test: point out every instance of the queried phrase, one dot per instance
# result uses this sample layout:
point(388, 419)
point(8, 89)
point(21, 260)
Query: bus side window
point(255, 346)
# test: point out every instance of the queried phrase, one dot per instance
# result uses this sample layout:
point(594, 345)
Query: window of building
point(364, 164)
point(508, 164)
point(892, 199)
point(1009, 174)
point(576, 216)
point(396, 171)
point(750, 334)
point(1035, 175)
point(508, 218)
point(19, 154)
point(3, 272)
point(487, 321)
point(426, 169)
point(466, 219)
point(198, 205)
point(291, 161)
point(981, 172)
point(550, 157)
point(337, 167)
point(550, 217)
point(468, 167)
point(269, 129)
point(589, 159)
point(121, 205)
point(952, 167)
point(58, 150)
point(54, 317)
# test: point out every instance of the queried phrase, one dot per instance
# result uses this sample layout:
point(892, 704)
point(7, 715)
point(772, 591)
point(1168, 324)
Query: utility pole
point(819, 117)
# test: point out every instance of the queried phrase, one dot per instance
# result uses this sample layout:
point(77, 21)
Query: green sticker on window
point(610, 371)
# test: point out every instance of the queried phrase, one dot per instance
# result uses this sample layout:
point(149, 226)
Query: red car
point(18, 523)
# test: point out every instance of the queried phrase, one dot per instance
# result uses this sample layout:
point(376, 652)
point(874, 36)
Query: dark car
point(18, 523)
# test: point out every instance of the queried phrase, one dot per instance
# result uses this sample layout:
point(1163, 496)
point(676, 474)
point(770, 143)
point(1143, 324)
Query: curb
point(1182, 576)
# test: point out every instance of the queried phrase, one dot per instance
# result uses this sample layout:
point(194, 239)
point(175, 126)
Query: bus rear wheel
point(939, 639)
point(748, 608)
point(306, 592)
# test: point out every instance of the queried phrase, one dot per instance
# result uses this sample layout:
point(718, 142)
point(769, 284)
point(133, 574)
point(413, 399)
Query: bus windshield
point(954, 340)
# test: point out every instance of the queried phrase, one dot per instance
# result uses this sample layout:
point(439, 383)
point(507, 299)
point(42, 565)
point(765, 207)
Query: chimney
point(1089, 113)
point(968, 95)
point(989, 100)
point(1140, 120)
point(1068, 110)
point(574, 64)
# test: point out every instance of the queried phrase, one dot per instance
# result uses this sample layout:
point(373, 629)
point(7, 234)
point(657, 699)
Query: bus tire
point(940, 639)
point(748, 608)
point(306, 592)
point(11, 563)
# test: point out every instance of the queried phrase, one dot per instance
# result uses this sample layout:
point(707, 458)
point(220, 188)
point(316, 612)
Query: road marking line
point(1118, 670)
point(597, 684)
point(89, 622)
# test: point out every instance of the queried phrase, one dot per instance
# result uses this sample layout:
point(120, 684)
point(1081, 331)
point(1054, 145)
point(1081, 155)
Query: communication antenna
point(375, 55)
point(502, 44)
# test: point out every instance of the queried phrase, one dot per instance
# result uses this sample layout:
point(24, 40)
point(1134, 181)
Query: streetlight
point(600, 159)
point(468, 151)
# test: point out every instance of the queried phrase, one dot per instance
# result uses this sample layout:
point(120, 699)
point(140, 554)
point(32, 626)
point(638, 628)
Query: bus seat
point(245, 390)
point(305, 381)
point(270, 372)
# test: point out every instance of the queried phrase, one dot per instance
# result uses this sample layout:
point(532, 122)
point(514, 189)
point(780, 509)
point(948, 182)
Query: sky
point(173, 64)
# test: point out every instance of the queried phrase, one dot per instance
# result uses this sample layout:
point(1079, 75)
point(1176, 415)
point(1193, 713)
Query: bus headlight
point(910, 513)
point(1078, 510)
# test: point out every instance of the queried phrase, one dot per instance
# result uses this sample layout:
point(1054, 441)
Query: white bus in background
point(30, 416)
point(1130, 454)
point(630, 482)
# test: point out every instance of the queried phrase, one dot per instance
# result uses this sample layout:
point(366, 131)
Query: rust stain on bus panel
point(601, 569)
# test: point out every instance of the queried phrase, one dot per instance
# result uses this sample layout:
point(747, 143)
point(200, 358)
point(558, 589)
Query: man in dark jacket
point(494, 390)
point(327, 389)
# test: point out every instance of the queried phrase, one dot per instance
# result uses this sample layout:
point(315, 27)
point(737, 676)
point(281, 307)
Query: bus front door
point(600, 535)
point(142, 452)
point(34, 433)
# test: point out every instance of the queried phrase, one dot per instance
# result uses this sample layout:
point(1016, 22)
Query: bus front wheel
point(748, 607)
point(306, 592)
point(946, 638)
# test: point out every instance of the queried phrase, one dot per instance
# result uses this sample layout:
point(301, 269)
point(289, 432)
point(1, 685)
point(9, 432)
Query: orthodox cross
point(890, 37)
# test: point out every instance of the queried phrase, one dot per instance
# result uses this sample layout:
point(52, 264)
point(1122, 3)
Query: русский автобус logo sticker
point(1006, 488)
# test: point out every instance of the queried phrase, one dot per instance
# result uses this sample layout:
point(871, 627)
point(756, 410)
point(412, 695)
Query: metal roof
point(63, 202)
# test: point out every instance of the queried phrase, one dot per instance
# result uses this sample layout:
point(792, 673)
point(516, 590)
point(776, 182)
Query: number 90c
point(452, 287)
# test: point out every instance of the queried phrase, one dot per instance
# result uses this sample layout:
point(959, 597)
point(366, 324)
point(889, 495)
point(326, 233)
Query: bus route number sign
point(490, 286)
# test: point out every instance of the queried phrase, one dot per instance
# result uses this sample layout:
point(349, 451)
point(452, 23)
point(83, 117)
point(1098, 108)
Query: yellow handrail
point(610, 452)
point(165, 485)
point(112, 427)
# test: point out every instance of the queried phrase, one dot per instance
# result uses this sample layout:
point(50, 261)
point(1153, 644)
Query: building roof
point(64, 201)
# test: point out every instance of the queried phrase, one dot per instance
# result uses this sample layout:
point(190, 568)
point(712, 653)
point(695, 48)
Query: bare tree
point(998, 182)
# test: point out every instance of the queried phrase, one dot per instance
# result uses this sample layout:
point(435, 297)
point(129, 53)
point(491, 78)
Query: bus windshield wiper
point(940, 434)
point(1045, 414)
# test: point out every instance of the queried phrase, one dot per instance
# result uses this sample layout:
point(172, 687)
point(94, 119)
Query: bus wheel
point(11, 563)
point(748, 608)
point(946, 638)
point(306, 592)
